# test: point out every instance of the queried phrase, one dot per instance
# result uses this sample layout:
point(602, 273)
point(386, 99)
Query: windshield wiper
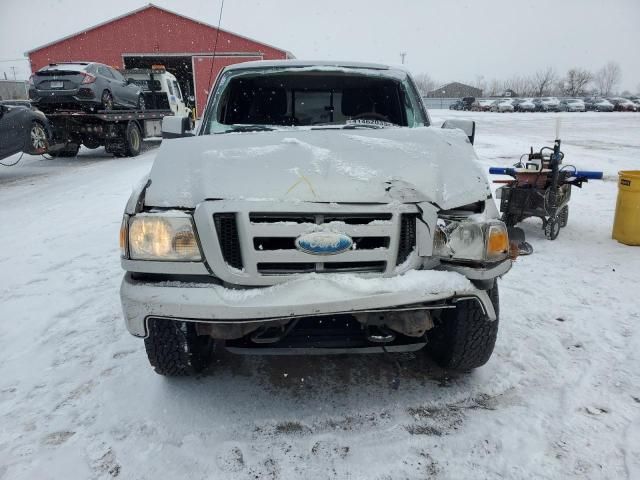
point(348, 126)
point(248, 128)
point(354, 126)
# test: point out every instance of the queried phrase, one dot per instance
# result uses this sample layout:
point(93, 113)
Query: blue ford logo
point(323, 243)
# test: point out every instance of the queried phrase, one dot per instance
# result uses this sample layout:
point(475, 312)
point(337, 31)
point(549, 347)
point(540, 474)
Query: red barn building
point(152, 35)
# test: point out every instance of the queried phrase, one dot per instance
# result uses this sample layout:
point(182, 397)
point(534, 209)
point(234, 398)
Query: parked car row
point(553, 104)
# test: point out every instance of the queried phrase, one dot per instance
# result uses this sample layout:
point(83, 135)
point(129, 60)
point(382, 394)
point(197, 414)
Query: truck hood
point(330, 165)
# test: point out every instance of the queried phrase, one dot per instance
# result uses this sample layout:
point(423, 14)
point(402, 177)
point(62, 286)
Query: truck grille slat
point(227, 230)
point(407, 241)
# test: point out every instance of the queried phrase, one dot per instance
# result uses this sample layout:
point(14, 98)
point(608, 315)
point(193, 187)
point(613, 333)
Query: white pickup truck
point(315, 211)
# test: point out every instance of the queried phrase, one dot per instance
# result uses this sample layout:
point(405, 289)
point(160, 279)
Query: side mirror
point(467, 126)
point(176, 127)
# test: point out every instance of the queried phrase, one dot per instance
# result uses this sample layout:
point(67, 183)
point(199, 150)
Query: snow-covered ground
point(559, 399)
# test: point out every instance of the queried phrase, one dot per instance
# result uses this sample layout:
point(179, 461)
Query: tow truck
point(121, 132)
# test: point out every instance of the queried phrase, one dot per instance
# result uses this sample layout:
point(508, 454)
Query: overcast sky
point(449, 39)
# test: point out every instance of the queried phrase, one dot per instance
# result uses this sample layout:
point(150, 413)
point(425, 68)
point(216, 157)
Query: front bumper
point(303, 296)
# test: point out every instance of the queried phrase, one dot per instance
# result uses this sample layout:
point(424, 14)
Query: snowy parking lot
point(560, 397)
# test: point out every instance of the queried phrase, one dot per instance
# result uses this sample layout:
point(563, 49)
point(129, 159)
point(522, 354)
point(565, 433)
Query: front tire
point(463, 338)
point(175, 350)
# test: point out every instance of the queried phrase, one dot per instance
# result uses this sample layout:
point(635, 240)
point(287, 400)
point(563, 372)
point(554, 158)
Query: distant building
point(509, 93)
point(13, 90)
point(455, 90)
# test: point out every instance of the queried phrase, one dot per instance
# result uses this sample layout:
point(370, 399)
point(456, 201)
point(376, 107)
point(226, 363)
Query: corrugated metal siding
point(13, 90)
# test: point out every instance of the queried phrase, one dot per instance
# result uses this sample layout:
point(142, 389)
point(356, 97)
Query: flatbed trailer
point(121, 132)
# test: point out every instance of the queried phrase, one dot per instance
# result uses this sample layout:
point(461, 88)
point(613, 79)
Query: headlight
point(168, 236)
point(466, 240)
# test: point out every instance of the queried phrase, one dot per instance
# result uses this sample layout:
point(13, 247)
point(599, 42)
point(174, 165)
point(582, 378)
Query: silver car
point(571, 105)
point(502, 106)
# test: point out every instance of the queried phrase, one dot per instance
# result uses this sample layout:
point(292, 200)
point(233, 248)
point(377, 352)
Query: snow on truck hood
point(330, 165)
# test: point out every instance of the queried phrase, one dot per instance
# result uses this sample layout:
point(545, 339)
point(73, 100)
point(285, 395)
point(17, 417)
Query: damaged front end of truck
point(339, 223)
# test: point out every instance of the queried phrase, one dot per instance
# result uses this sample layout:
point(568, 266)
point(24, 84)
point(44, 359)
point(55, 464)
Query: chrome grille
point(254, 243)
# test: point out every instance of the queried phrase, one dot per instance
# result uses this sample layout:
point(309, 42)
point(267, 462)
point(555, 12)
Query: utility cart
point(541, 187)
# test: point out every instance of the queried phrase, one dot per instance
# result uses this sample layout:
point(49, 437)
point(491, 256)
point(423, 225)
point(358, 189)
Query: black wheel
point(37, 141)
point(463, 338)
point(106, 100)
point(70, 150)
point(552, 228)
point(141, 105)
point(91, 143)
point(174, 349)
point(563, 216)
point(133, 140)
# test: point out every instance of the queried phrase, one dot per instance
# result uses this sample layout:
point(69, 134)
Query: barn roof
point(146, 7)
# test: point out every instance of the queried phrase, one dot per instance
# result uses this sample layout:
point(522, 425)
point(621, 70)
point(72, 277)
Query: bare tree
point(495, 87)
point(608, 78)
point(522, 85)
point(576, 82)
point(542, 82)
point(480, 83)
point(425, 83)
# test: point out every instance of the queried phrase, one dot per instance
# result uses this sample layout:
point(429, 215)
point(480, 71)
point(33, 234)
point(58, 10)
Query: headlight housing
point(163, 236)
point(471, 241)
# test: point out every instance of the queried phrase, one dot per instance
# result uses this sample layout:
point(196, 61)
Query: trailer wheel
point(552, 228)
point(563, 216)
point(133, 140)
point(463, 338)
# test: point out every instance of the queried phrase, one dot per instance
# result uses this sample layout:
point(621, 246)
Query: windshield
point(286, 98)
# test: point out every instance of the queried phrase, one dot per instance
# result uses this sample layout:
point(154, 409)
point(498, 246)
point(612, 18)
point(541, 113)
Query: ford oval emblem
point(324, 243)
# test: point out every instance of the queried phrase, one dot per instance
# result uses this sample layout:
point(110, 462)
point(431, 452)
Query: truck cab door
point(171, 94)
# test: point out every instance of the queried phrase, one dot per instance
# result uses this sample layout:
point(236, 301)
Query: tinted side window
point(177, 88)
point(117, 75)
point(104, 71)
